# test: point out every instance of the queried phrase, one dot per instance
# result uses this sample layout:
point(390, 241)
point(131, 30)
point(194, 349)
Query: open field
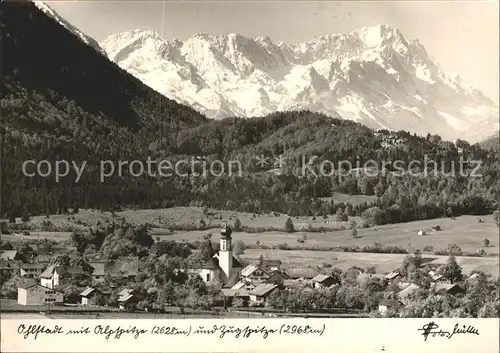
point(464, 231)
point(296, 260)
point(179, 217)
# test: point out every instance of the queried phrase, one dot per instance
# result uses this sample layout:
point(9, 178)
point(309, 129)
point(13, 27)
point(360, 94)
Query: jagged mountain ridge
point(373, 75)
point(487, 128)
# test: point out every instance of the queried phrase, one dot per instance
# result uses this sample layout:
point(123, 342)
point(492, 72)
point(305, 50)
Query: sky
point(463, 36)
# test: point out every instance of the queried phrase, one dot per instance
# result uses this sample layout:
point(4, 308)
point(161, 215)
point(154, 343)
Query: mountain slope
point(63, 101)
point(82, 36)
point(372, 75)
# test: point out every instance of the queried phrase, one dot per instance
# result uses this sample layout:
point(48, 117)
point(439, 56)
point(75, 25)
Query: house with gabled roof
point(128, 298)
point(323, 281)
point(35, 294)
point(277, 277)
point(391, 276)
point(261, 292)
point(254, 273)
point(446, 288)
point(436, 277)
point(272, 264)
point(54, 276)
point(32, 270)
point(387, 304)
point(90, 295)
point(408, 290)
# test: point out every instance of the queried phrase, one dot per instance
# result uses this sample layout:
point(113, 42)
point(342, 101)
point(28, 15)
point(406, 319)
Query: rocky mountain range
point(373, 75)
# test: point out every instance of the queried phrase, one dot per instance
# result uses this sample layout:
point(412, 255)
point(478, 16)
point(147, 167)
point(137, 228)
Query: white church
point(223, 266)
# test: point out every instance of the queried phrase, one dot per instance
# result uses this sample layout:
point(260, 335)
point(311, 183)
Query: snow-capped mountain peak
point(373, 75)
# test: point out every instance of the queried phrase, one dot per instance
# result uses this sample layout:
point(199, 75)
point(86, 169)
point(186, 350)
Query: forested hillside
point(62, 100)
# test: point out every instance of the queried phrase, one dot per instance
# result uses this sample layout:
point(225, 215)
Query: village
point(225, 284)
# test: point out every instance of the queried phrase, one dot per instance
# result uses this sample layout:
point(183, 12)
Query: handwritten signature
point(433, 329)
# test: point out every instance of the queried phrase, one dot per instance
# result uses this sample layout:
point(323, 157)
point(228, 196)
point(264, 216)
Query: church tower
point(226, 254)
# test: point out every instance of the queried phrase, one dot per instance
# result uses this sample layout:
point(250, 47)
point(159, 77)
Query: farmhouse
point(35, 294)
point(245, 284)
point(437, 277)
point(260, 293)
point(386, 304)
point(392, 276)
point(8, 254)
point(272, 265)
point(223, 266)
point(277, 277)
point(90, 296)
point(121, 270)
point(128, 298)
point(446, 288)
point(254, 273)
point(54, 276)
point(407, 291)
point(323, 281)
point(32, 270)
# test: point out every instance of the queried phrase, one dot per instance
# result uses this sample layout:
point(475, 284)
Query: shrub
point(237, 225)
point(486, 243)
point(289, 227)
point(428, 248)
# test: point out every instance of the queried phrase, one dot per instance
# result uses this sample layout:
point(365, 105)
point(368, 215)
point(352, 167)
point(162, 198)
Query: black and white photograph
point(253, 161)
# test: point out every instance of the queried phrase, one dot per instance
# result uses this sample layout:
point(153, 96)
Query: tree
point(486, 243)
point(452, 270)
point(289, 227)
point(237, 225)
point(25, 254)
point(354, 232)
point(260, 263)
point(341, 216)
point(496, 218)
point(206, 249)
point(239, 248)
point(237, 302)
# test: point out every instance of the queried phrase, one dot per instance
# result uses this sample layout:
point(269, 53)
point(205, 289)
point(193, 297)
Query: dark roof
point(71, 271)
point(211, 264)
point(27, 285)
point(390, 302)
point(263, 289)
point(278, 273)
point(236, 263)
